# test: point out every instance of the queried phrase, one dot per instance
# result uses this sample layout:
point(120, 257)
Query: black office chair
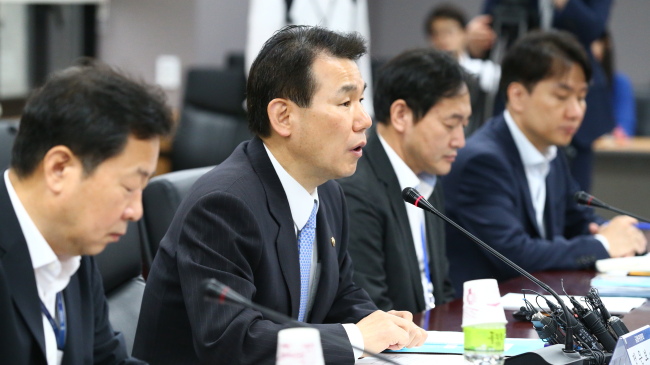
point(121, 267)
point(213, 120)
point(642, 100)
point(8, 130)
point(160, 200)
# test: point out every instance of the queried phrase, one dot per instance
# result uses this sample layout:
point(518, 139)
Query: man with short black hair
point(511, 185)
point(422, 105)
point(86, 147)
point(270, 224)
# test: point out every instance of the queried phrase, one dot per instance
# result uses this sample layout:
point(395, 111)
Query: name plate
point(633, 348)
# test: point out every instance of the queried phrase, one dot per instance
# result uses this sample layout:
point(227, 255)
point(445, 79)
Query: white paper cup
point(299, 346)
point(482, 303)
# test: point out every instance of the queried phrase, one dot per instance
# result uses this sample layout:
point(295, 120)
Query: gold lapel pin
point(333, 242)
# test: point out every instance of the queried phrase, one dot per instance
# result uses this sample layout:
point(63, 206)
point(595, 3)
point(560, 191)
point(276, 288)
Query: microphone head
point(214, 289)
point(584, 198)
point(411, 196)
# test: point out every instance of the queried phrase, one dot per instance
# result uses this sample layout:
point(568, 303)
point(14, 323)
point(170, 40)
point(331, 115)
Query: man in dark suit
point(245, 223)
point(87, 144)
point(422, 105)
point(511, 185)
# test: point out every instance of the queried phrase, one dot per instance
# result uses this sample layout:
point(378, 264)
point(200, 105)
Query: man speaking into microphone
point(270, 224)
point(511, 186)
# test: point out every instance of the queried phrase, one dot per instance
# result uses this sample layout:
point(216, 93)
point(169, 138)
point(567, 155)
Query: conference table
point(448, 317)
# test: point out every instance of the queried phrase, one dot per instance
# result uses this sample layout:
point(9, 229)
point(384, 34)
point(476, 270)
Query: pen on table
point(638, 273)
point(641, 225)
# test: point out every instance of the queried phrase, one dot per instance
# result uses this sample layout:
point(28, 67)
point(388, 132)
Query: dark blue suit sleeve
point(488, 205)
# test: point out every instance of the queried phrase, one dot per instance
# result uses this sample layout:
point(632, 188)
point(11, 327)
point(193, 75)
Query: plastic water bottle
point(484, 343)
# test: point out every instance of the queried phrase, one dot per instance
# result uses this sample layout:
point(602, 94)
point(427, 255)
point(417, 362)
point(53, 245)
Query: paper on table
point(449, 342)
point(615, 305)
point(415, 359)
point(624, 264)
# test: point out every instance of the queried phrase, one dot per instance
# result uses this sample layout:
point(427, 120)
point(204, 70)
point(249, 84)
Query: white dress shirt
point(301, 203)
point(425, 185)
point(52, 275)
point(537, 167)
point(487, 72)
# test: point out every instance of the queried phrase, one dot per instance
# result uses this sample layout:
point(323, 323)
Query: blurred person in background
point(623, 101)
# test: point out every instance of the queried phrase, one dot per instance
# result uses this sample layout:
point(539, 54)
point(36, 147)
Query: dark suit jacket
point(381, 243)
point(235, 225)
point(487, 193)
point(90, 337)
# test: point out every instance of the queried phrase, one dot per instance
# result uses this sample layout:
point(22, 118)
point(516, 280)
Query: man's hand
point(480, 35)
point(393, 330)
point(624, 238)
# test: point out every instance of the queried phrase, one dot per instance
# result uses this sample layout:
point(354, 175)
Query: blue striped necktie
point(306, 237)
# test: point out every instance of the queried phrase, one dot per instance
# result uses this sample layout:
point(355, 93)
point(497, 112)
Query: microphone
point(584, 198)
point(594, 324)
point(547, 329)
point(215, 291)
point(547, 355)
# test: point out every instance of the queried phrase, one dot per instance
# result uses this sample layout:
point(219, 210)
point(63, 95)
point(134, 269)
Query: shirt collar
point(530, 156)
point(301, 202)
point(405, 176)
point(56, 272)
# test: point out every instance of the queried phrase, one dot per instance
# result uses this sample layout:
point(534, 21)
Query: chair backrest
point(213, 120)
point(8, 130)
point(121, 267)
point(160, 200)
point(642, 100)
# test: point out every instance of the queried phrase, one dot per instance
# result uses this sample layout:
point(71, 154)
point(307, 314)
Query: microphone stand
point(548, 355)
point(219, 293)
point(589, 200)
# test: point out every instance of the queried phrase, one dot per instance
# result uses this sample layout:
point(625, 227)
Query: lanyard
point(59, 330)
point(425, 259)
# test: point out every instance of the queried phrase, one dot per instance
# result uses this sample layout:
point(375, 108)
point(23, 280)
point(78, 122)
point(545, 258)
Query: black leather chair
point(8, 130)
point(121, 267)
point(160, 200)
point(213, 120)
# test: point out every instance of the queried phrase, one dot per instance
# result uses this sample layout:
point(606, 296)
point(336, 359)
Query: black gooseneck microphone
point(215, 291)
point(568, 355)
point(584, 198)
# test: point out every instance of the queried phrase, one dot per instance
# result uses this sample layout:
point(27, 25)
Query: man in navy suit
point(243, 222)
point(511, 185)
point(87, 144)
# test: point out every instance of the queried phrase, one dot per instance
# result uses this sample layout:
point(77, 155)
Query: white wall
point(13, 50)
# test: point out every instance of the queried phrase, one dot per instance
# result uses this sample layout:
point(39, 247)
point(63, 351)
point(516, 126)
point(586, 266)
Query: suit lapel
point(278, 206)
point(549, 205)
point(18, 266)
point(327, 258)
point(381, 165)
point(74, 337)
point(512, 153)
